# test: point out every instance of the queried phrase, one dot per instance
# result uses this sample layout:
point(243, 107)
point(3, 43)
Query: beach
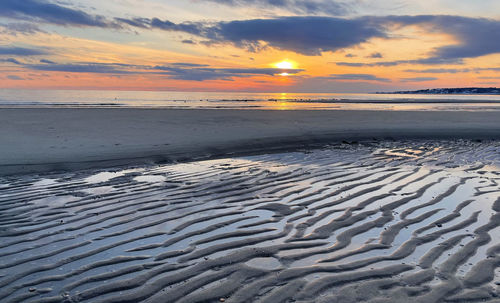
point(401, 221)
point(171, 205)
point(48, 139)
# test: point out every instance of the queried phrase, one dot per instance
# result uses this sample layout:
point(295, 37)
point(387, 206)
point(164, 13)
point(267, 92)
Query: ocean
point(238, 100)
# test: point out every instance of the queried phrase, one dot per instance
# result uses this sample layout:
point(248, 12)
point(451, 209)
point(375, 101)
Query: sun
point(285, 64)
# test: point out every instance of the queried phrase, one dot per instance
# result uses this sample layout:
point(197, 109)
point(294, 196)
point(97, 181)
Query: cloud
point(48, 12)
point(309, 35)
point(476, 36)
point(194, 28)
point(185, 64)
point(489, 78)
point(425, 61)
point(207, 73)
point(375, 55)
point(21, 51)
point(305, 35)
point(16, 28)
point(96, 68)
point(329, 7)
point(488, 83)
point(14, 77)
point(419, 79)
point(312, 35)
point(357, 77)
point(135, 22)
point(451, 70)
point(178, 70)
point(11, 60)
point(438, 71)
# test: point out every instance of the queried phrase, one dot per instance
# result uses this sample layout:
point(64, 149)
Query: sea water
point(239, 100)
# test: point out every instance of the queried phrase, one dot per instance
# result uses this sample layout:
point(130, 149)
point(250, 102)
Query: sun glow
point(285, 64)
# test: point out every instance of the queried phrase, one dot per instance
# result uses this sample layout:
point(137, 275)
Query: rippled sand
point(387, 222)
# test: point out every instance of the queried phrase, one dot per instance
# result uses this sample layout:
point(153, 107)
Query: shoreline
point(60, 139)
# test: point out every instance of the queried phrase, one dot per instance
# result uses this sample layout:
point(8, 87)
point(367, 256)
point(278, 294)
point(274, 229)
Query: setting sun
point(285, 64)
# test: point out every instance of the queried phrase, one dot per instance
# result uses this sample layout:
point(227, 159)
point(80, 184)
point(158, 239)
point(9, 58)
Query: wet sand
point(49, 139)
point(404, 221)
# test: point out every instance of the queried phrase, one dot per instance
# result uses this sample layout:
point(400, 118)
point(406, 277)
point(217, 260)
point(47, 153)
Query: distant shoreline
point(449, 91)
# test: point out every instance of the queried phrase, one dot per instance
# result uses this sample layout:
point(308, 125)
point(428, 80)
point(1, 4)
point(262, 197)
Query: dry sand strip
point(48, 139)
point(395, 222)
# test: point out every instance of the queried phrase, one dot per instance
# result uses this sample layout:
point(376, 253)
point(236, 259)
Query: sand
point(48, 139)
point(272, 206)
point(404, 221)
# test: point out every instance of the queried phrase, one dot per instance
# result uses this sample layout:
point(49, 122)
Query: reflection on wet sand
point(394, 221)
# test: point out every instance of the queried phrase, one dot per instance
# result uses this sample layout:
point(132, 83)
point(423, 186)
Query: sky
point(302, 46)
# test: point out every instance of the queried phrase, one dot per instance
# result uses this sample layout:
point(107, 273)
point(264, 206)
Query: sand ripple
point(382, 222)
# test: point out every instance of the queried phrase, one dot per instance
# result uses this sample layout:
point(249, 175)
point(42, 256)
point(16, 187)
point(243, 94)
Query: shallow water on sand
point(403, 221)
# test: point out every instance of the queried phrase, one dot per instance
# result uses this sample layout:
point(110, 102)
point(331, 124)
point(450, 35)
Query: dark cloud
point(439, 70)
point(207, 73)
point(11, 60)
point(329, 7)
point(350, 56)
point(451, 70)
point(21, 51)
point(312, 35)
point(49, 12)
point(376, 55)
point(494, 69)
point(305, 35)
point(188, 41)
point(179, 71)
point(136, 22)
point(185, 64)
point(476, 36)
point(14, 77)
point(488, 83)
point(357, 77)
point(418, 79)
point(194, 28)
point(309, 35)
point(47, 61)
point(20, 28)
point(426, 61)
point(79, 68)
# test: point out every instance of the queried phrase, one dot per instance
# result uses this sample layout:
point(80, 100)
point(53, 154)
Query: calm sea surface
point(167, 99)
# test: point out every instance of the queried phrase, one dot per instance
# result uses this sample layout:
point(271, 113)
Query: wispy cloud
point(14, 77)
point(208, 73)
point(425, 61)
point(357, 77)
point(48, 12)
point(438, 70)
point(375, 55)
point(419, 79)
point(16, 28)
point(21, 51)
point(322, 7)
point(176, 70)
point(11, 60)
point(451, 70)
